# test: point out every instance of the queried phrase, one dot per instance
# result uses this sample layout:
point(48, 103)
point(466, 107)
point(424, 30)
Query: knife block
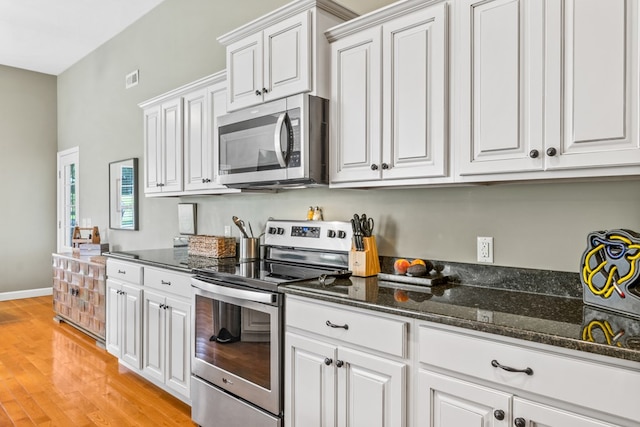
point(365, 263)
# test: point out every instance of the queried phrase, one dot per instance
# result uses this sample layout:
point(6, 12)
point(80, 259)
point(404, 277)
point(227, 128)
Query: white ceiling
point(48, 36)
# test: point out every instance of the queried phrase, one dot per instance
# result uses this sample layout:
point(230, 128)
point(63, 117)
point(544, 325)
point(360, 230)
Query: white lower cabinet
point(167, 332)
point(124, 312)
point(446, 401)
point(471, 379)
point(149, 323)
point(124, 316)
point(332, 381)
point(528, 413)
point(352, 367)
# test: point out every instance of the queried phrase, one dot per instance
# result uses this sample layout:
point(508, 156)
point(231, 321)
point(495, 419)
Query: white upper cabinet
point(499, 119)
point(592, 112)
point(356, 107)
point(181, 139)
point(389, 98)
point(271, 64)
point(547, 87)
point(282, 53)
point(414, 55)
point(196, 143)
point(201, 110)
point(163, 147)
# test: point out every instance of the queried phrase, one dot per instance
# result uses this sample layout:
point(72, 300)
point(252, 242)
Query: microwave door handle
point(282, 120)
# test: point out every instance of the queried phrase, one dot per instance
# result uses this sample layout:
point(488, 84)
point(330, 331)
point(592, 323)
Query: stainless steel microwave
point(279, 144)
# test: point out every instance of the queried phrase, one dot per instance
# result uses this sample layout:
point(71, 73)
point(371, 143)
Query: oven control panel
point(305, 231)
point(321, 235)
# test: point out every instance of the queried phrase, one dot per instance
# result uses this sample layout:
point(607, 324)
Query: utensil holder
point(365, 263)
point(249, 248)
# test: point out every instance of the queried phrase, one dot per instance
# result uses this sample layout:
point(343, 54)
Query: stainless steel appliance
point(282, 143)
point(237, 365)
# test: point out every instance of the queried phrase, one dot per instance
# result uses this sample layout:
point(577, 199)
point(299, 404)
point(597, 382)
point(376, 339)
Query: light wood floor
point(53, 375)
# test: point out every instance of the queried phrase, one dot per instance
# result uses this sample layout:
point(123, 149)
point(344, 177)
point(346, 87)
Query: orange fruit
point(418, 261)
point(400, 295)
point(401, 265)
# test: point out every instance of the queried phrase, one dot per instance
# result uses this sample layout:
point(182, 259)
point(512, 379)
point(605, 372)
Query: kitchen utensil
point(240, 224)
point(250, 230)
point(366, 225)
point(249, 248)
point(357, 233)
point(336, 275)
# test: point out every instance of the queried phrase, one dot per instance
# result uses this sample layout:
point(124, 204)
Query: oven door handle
point(242, 294)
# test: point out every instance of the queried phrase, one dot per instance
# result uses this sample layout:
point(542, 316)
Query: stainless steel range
point(237, 365)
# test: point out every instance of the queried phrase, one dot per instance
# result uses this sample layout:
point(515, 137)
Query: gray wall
point(540, 225)
point(27, 174)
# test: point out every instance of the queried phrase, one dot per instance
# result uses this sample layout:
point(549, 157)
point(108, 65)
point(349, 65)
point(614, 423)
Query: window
point(68, 201)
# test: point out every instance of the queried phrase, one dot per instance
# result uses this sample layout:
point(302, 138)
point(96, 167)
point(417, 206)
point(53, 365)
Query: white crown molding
point(218, 77)
point(285, 12)
point(377, 17)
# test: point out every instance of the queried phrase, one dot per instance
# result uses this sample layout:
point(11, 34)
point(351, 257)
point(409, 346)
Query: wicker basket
point(212, 246)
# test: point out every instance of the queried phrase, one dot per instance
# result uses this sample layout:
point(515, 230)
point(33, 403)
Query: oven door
point(263, 144)
point(237, 341)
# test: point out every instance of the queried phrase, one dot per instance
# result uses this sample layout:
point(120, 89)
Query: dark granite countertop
point(556, 318)
point(177, 259)
point(547, 319)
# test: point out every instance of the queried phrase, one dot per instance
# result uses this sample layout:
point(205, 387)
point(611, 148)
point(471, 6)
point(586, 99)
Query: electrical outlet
point(485, 249)
point(227, 231)
point(485, 316)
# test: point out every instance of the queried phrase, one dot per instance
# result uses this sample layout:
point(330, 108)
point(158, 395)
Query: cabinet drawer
point(589, 383)
point(364, 329)
point(126, 271)
point(167, 281)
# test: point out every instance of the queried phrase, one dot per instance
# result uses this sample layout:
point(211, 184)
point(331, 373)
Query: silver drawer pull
point(165, 283)
point(333, 325)
point(495, 364)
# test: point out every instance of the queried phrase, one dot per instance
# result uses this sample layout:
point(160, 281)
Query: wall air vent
point(131, 79)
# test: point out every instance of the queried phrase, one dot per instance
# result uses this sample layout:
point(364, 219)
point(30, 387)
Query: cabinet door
point(356, 111)
point(287, 57)
point(372, 391)
point(535, 415)
point(444, 401)
point(500, 86)
point(178, 346)
point(244, 72)
point(415, 86)
point(197, 144)
point(171, 134)
point(152, 150)
point(114, 318)
point(153, 336)
point(217, 95)
point(592, 115)
point(310, 383)
point(131, 326)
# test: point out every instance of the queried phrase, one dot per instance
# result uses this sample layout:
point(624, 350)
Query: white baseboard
point(6, 296)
